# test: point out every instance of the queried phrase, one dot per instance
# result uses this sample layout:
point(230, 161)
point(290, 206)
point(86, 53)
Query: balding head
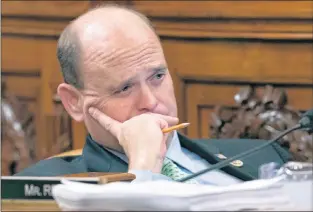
point(100, 23)
point(112, 59)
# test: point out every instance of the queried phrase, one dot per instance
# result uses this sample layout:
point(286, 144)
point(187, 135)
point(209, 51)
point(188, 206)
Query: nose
point(147, 101)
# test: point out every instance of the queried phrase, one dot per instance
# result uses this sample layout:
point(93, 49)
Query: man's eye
point(159, 76)
point(125, 88)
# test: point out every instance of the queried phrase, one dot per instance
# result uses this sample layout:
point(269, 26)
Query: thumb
point(162, 123)
point(105, 121)
point(170, 120)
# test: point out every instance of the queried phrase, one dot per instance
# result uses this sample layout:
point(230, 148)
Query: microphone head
point(307, 120)
point(309, 114)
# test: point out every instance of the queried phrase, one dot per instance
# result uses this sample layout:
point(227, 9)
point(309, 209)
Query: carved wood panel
point(202, 99)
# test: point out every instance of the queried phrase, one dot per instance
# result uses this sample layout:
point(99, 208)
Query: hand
point(141, 138)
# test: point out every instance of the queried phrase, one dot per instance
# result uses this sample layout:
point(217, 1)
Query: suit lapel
point(98, 159)
point(212, 154)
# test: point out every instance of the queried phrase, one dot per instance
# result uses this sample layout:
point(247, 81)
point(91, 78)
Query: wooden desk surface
point(29, 205)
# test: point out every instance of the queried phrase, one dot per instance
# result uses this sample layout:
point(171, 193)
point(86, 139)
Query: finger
point(169, 119)
point(163, 124)
point(163, 145)
point(105, 121)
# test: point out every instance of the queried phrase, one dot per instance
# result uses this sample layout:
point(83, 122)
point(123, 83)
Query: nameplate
point(34, 188)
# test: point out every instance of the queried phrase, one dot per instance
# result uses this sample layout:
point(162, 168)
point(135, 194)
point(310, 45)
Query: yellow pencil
point(175, 127)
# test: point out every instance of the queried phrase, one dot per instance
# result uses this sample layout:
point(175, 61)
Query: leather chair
point(75, 152)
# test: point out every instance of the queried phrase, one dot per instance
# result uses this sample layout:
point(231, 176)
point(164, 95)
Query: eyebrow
point(158, 69)
point(130, 80)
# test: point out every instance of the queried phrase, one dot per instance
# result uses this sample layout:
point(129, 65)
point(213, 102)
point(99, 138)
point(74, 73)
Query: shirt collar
point(176, 153)
point(174, 147)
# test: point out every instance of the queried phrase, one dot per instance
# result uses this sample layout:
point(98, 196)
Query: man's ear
point(72, 101)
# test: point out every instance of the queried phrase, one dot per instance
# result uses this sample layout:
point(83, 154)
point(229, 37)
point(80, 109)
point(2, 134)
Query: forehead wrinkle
point(102, 60)
point(128, 53)
point(106, 53)
point(130, 56)
point(101, 57)
point(92, 56)
point(142, 61)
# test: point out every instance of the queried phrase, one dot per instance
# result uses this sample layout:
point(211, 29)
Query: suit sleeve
point(54, 167)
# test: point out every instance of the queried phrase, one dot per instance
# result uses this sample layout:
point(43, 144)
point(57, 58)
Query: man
point(117, 82)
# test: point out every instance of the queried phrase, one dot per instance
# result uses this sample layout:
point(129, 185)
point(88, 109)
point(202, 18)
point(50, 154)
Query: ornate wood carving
point(17, 134)
point(263, 116)
point(60, 123)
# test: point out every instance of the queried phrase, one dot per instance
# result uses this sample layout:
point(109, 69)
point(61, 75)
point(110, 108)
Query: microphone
point(306, 122)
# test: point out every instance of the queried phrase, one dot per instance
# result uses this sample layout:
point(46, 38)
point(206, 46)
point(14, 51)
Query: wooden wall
point(212, 48)
point(215, 47)
point(30, 30)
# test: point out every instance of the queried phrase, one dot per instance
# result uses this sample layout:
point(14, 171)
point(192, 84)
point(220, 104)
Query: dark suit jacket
point(97, 159)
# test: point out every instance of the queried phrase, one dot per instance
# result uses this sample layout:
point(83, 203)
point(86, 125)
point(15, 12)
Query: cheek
point(119, 109)
point(170, 103)
point(167, 97)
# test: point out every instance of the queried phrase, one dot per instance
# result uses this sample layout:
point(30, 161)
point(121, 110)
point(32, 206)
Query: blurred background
point(240, 69)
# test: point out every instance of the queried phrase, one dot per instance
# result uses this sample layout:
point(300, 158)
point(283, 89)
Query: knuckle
point(94, 113)
point(108, 126)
